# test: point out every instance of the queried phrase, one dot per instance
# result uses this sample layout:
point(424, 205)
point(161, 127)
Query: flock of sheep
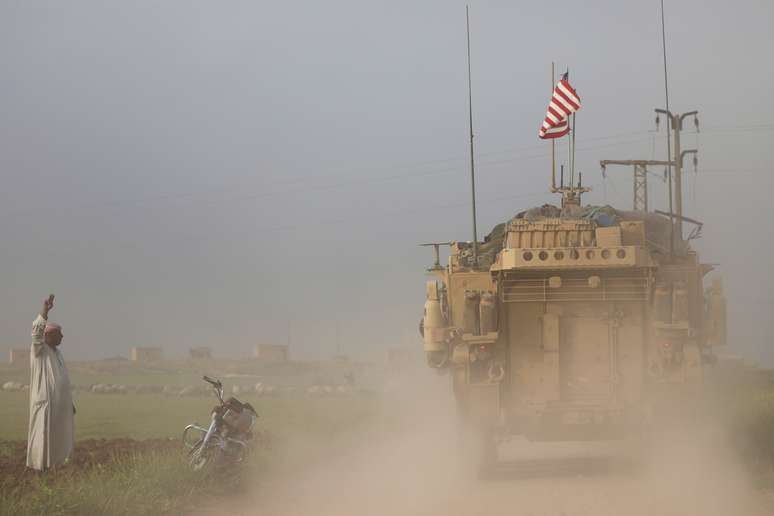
point(259, 389)
point(15, 386)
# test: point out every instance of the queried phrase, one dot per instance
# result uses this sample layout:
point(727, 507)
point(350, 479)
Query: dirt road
point(592, 485)
point(414, 469)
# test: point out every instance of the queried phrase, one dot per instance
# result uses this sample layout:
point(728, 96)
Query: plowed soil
point(87, 454)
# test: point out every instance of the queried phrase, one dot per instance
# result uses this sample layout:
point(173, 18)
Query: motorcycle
point(227, 440)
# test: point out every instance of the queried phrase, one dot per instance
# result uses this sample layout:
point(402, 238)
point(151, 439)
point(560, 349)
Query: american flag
point(564, 101)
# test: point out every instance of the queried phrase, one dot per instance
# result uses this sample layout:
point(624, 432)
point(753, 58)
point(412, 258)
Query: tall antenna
point(553, 143)
point(669, 143)
point(472, 165)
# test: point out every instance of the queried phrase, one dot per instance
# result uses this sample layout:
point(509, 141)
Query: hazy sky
point(213, 173)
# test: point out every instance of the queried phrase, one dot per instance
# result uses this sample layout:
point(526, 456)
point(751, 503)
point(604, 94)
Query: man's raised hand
point(48, 304)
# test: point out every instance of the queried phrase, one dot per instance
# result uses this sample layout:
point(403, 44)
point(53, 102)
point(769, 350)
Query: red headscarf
point(52, 328)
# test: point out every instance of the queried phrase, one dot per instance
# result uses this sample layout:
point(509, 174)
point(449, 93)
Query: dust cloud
point(408, 462)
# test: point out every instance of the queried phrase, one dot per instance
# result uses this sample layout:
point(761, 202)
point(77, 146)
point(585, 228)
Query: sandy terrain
point(415, 470)
point(399, 482)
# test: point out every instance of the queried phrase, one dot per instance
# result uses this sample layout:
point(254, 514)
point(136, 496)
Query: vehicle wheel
point(201, 459)
point(477, 448)
point(487, 453)
point(237, 454)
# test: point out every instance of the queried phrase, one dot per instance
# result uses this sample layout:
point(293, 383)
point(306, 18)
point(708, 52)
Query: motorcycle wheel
point(204, 459)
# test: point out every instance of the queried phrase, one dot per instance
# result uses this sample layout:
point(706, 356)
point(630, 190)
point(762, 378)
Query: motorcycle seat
point(237, 406)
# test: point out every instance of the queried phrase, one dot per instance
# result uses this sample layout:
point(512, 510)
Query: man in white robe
point(51, 433)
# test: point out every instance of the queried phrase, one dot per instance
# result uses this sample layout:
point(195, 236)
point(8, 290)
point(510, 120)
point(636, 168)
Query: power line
point(198, 238)
point(358, 180)
point(319, 187)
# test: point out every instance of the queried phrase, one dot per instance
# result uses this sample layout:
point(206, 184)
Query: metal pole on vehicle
point(472, 165)
point(669, 150)
point(553, 140)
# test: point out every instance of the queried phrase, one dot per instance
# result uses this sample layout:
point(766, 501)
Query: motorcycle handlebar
point(207, 379)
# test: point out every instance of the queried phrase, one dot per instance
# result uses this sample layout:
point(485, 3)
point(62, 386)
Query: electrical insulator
point(695, 163)
point(657, 122)
point(665, 174)
point(604, 174)
point(696, 123)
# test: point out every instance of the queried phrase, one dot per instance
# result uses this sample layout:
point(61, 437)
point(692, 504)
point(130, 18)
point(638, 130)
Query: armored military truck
point(572, 323)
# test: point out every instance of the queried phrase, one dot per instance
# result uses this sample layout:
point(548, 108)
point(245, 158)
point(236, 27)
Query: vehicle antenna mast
point(472, 161)
point(553, 142)
point(669, 143)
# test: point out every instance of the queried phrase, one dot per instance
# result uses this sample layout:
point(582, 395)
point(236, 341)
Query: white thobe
point(51, 433)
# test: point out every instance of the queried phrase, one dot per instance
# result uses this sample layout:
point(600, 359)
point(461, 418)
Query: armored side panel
point(575, 331)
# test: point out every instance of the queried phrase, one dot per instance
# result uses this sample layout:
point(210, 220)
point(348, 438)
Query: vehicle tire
point(205, 459)
point(477, 447)
point(487, 453)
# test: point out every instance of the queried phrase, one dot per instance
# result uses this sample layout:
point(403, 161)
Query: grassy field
point(181, 373)
point(152, 478)
point(743, 403)
point(144, 416)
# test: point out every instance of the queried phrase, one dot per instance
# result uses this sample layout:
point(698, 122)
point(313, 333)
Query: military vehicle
point(571, 322)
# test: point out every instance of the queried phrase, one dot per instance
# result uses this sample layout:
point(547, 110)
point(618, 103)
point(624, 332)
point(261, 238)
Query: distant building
point(19, 356)
point(398, 357)
point(271, 353)
point(340, 359)
point(146, 354)
point(200, 353)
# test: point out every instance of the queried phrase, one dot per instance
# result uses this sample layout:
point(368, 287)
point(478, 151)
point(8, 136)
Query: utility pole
point(338, 340)
point(676, 122)
point(640, 191)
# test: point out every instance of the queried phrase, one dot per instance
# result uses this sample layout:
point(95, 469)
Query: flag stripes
point(563, 103)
